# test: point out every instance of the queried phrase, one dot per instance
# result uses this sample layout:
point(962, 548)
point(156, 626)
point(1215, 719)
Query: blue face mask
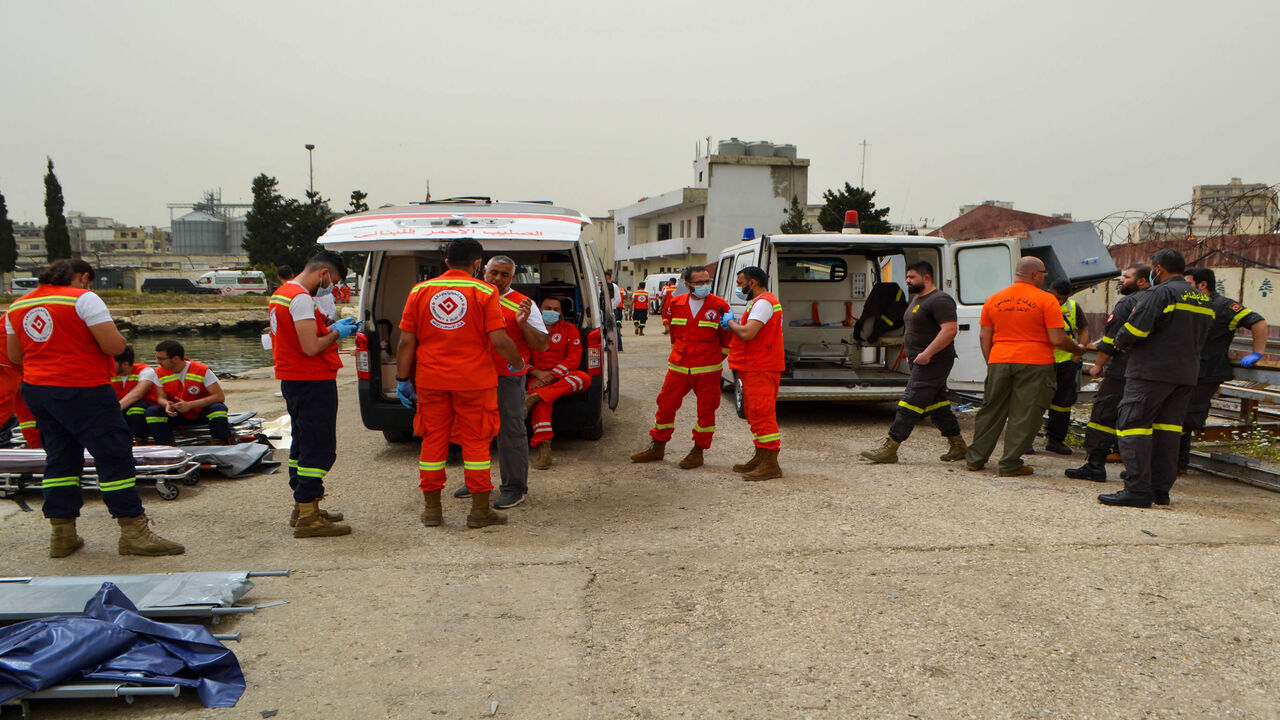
point(550, 317)
point(1151, 278)
point(741, 294)
point(701, 291)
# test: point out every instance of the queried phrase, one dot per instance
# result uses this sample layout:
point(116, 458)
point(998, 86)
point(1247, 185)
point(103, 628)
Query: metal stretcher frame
point(159, 596)
point(243, 425)
point(23, 470)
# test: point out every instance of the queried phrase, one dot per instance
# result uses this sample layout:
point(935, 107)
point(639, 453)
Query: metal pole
point(311, 174)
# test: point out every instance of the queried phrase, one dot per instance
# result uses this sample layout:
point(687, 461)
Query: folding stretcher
point(245, 427)
point(22, 470)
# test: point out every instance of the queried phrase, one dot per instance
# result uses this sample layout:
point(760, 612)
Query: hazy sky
point(1084, 107)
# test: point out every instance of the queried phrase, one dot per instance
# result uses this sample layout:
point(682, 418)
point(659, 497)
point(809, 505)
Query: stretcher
point(245, 427)
point(22, 470)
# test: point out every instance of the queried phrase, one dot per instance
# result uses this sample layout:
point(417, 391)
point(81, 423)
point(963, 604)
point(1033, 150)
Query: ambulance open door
point(975, 270)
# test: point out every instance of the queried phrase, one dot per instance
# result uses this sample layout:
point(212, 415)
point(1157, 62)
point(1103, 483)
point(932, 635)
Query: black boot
point(1095, 469)
point(1126, 498)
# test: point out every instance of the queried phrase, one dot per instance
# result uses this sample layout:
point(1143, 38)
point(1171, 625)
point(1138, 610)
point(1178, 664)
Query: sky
point(1084, 107)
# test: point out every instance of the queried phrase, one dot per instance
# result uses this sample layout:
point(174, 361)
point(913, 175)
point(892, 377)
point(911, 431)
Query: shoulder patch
point(1237, 307)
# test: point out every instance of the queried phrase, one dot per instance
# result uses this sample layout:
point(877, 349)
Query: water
point(223, 353)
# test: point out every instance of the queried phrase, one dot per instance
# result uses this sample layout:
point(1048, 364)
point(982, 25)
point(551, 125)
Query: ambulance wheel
point(595, 432)
point(739, 401)
point(191, 478)
point(397, 436)
point(167, 490)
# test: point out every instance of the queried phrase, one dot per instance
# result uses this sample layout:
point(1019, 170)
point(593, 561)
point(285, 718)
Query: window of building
point(622, 229)
point(702, 226)
point(664, 231)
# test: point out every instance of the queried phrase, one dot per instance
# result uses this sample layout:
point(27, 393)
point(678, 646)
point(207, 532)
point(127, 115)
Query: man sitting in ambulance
point(187, 393)
point(135, 384)
point(554, 374)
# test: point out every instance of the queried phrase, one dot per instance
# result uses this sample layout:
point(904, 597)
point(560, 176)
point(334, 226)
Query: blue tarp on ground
point(116, 644)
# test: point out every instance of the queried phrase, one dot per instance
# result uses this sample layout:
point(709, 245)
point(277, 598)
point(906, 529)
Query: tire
point(167, 490)
point(191, 478)
point(397, 436)
point(595, 431)
point(739, 401)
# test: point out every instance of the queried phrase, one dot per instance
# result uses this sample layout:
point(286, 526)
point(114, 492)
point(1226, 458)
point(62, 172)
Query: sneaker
point(462, 492)
point(508, 499)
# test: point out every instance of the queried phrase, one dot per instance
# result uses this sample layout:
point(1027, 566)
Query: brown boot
point(749, 465)
point(64, 540)
point(955, 449)
point(767, 469)
point(331, 516)
point(432, 514)
point(886, 453)
point(653, 453)
point(136, 538)
point(481, 514)
point(692, 460)
point(543, 460)
point(531, 399)
point(312, 524)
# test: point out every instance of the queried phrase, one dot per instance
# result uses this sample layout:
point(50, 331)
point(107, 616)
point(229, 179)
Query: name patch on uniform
point(448, 307)
point(38, 324)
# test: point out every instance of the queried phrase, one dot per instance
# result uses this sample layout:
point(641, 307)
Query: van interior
point(539, 274)
point(842, 308)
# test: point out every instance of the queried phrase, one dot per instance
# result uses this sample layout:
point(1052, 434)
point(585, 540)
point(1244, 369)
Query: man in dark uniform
point(929, 341)
point(1100, 433)
point(1066, 370)
point(1163, 338)
point(1215, 362)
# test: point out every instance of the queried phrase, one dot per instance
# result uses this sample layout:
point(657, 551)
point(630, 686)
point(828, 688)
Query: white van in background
point(235, 282)
point(22, 286)
point(654, 283)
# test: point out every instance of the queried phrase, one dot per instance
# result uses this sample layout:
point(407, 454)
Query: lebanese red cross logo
point(38, 324)
point(448, 305)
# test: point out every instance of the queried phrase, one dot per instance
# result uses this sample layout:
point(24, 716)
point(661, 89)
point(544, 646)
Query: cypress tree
point(8, 245)
point(57, 238)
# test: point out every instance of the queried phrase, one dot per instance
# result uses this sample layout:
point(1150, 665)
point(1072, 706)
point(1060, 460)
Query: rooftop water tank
point(787, 151)
point(732, 146)
point(760, 149)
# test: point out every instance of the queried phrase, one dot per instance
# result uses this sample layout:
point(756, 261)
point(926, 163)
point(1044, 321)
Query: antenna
point(428, 191)
point(862, 181)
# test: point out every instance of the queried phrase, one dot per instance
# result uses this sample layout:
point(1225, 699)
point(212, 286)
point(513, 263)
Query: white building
point(742, 185)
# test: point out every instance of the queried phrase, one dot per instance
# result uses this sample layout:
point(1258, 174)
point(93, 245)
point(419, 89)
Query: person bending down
point(554, 374)
point(187, 393)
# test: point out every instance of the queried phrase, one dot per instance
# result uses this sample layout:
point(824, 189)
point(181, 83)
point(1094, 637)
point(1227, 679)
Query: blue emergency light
point(748, 234)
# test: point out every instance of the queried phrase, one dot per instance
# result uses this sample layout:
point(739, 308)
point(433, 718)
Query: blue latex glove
point(515, 368)
point(406, 392)
point(725, 318)
point(346, 327)
point(1250, 359)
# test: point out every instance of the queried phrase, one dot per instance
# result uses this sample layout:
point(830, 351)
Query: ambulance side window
point(981, 271)
point(724, 277)
point(744, 259)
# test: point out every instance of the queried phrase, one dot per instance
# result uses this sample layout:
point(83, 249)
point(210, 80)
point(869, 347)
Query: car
point(405, 245)
point(176, 285)
point(22, 286)
point(235, 282)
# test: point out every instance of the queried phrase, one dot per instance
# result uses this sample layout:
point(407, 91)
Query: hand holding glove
point(406, 392)
point(1250, 359)
point(346, 327)
point(725, 318)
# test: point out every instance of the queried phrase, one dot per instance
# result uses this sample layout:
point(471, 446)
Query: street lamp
point(311, 173)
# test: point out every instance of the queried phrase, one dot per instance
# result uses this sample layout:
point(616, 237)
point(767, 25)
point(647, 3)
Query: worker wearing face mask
point(698, 347)
point(554, 374)
point(756, 355)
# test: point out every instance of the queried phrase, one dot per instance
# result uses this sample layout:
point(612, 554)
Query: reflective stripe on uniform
point(1133, 431)
point(707, 323)
point(1236, 320)
point(909, 406)
point(217, 414)
point(887, 321)
point(131, 411)
point(1189, 308)
point(59, 482)
point(935, 406)
point(430, 466)
point(312, 472)
point(1101, 428)
point(661, 426)
point(697, 428)
point(508, 304)
point(1059, 408)
point(117, 485)
point(1166, 427)
point(482, 287)
point(27, 425)
point(1136, 331)
point(700, 370)
point(154, 419)
point(483, 465)
point(768, 438)
point(46, 300)
point(679, 321)
point(1107, 340)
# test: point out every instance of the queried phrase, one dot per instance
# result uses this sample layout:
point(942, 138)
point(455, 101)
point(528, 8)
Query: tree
point(280, 230)
point(870, 219)
point(795, 224)
point(57, 238)
point(358, 205)
point(8, 245)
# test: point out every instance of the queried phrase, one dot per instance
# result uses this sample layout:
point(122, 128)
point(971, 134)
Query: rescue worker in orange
point(450, 329)
point(304, 350)
point(668, 292)
point(756, 354)
point(640, 308)
point(698, 347)
point(11, 399)
point(135, 386)
point(553, 375)
point(187, 393)
point(63, 336)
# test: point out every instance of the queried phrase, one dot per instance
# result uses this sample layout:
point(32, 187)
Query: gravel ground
point(618, 590)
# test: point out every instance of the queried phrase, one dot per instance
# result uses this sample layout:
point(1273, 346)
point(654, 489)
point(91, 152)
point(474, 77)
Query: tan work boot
point(531, 399)
point(749, 465)
point(653, 453)
point(432, 514)
point(63, 540)
point(887, 452)
point(955, 449)
point(136, 538)
point(331, 516)
point(767, 468)
point(312, 524)
point(481, 514)
point(543, 461)
point(692, 460)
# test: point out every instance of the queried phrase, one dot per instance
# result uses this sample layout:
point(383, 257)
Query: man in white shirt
point(187, 393)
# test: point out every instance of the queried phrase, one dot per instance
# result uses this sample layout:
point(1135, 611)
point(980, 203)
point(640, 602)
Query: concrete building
point(1235, 208)
point(990, 221)
point(985, 203)
point(740, 185)
point(1160, 228)
point(602, 234)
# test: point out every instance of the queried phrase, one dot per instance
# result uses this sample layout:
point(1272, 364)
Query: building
point(992, 220)
point(965, 209)
point(741, 185)
point(1235, 208)
point(212, 227)
point(601, 233)
point(1160, 228)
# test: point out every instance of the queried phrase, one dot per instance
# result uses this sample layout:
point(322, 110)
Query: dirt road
point(842, 591)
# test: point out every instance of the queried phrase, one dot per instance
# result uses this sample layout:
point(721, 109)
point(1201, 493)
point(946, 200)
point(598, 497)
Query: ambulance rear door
point(974, 270)
point(608, 327)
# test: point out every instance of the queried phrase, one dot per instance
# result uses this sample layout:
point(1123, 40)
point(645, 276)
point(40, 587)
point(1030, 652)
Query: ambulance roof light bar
point(850, 223)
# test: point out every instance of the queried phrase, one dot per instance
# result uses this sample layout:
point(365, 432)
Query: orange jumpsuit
point(698, 347)
point(452, 316)
point(11, 399)
point(759, 364)
point(562, 358)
